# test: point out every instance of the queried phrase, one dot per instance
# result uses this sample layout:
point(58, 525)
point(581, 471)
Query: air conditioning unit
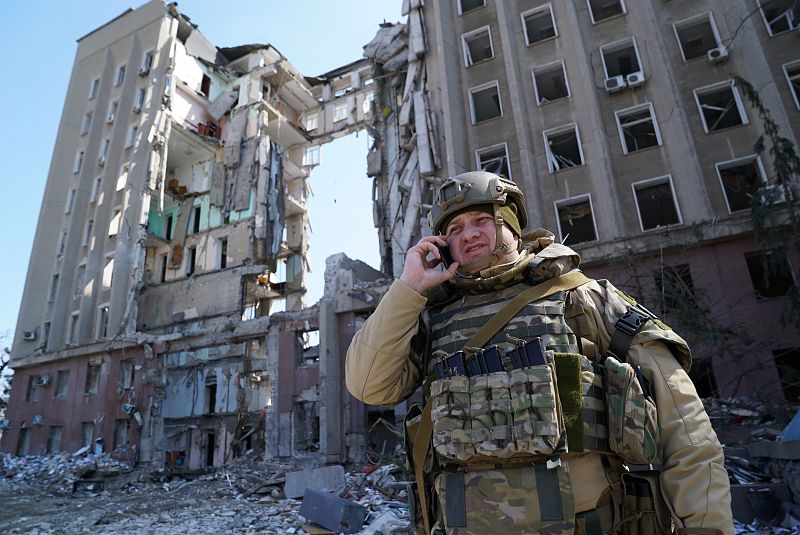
point(29, 335)
point(614, 84)
point(635, 79)
point(5, 424)
point(101, 161)
point(110, 118)
point(137, 108)
point(144, 71)
point(717, 55)
point(772, 194)
point(43, 380)
point(37, 420)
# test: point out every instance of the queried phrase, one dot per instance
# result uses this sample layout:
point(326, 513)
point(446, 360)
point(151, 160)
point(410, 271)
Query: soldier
point(554, 403)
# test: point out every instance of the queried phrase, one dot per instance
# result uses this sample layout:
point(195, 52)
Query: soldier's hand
point(421, 274)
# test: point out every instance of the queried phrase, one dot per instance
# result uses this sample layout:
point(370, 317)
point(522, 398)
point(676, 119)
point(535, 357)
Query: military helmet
point(474, 188)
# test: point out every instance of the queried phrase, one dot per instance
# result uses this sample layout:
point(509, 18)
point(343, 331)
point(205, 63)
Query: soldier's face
point(472, 236)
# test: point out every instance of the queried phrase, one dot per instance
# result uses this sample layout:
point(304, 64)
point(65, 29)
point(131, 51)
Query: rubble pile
point(60, 472)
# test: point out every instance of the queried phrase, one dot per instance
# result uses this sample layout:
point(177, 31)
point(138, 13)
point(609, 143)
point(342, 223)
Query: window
point(576, 220)
point(621, 58)
point(550, 83)
point(169, 227)
point(138, 99)
point(696, 36)
point(87, 232)
point(792, 72)
point(87, 434)
point(494, 159)
point(656, 203)
point(563, 148)
point(312, 121)
point(54, 439)
point(637, 128)
point(720, 106)
point(122, 178)
point(191, 260)
point(72, 330)
point(87, 122)
point(539, 24)
point(108, 272)
point(130, 139)
point(32, 394)
point(465, 6)
point(80, 280)
point(147, 63)
point(340, 112)
point(787, 361)
point(162, 267)
point(51, 295)
point(103, 156)
point(93, 88)
point(62, 384)
point(194, 220)
point(770, 274)
point(24, 441)
point(675, 288)
point(205, 85)
point(311, 156)
point(76, 167)
point(778, 15)
point(98, 182)
point(477, 46)
point(211, 393)
point(601, 10)
point(485, 102)
point(70, 201)
point(114, 224)
point(222, 253)
point(122, 428)
point(92, 378)
point(126, 373)
point(102, 322)
point(120, 76)
point(45, 334)
point(112, 112)
point(740, 179)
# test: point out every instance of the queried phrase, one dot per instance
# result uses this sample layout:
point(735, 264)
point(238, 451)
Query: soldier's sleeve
point(379, 368)
point(693, 478)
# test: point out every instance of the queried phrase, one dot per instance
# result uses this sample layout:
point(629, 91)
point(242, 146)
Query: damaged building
point(163, 315)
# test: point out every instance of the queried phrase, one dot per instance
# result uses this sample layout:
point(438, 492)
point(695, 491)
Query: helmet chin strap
point(501, 249)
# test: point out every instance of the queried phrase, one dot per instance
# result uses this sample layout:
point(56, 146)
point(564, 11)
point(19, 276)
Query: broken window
point(696, 36)
point(656, 203)
point(477, 46)
point(168, 227)
point(601, 10)
point(740, 179)
point(122, 428)
point(485, 102)
point(80, 280)
point(126, 373)
point(103, 156)
point(87, 434)
point(621, 58)
point(108, 272)
point(32, 394)
point(102, 322)
point(340, 112)
point(312, 121)
point(76, 167)
point(138, 100)
point(494, 159)
point(24, 441)
point(211, 393)
point(133, 130)
point(98, 183)
point(222, 253)
point(162, 267)
point(194, 220)
point(311, 156)
point(576, 220)
point(147, 63)
point(87, 232)
point(191, 260)
point(792, 72)
point(675, 288)
point(62, 242)
point(112, 112)
point(778, 15)
point(563, 147)
point(539, 24)
point(720, 106)
point(54, 439)
point(465, 6)
point(114, 224)
point(638, 128)
point(205, 85)
point(62, 384)
point(51, 295)
point(92, 378)
point(72, 330)
point(120, 76)
point(770, 274)
point(87, 122)
point(70, 201)
point(93, 88)
point(702, 376)
point(122, 179)
point(45, 334)
point(787, 362)
point(550, 83)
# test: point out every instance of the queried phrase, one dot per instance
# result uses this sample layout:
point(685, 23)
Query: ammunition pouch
point(644, 511)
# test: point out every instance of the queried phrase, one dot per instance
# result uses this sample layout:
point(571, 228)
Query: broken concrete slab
point(332, 512)
point(324, 479)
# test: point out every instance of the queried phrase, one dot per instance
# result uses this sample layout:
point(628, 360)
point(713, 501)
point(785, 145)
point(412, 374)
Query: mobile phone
point(444, 252)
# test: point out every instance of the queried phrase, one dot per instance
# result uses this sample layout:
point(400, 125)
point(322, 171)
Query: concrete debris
point(325, 479)
point(332, 512)
point(62, 472)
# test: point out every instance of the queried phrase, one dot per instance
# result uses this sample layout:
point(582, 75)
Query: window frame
point(73, 329)
point(119, 75)
point(86, 124)
point(315, 121)
point(102, 156)
point(733, 163)
point(503, 145)
point(655, 181)
point(78, 164)
point(94, 88)
point(460, 12)
point(482, 87)
point(468, 62)
point(113, 108)
point(591, 15)
point(98, 335)
point(697, 92)
point(336, 109)
point(569, 201)
point(145, 66)
point(139, 99)
point(536, 10)
point(130, 137)
point(795, 94)
point(617, 45)
point(684, 22)
point(632, 110)
point(793, 25)
point(561, 130)
point(541, 68)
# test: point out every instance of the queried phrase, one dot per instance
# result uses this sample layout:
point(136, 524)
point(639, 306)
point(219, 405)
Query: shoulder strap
point(422, 440)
